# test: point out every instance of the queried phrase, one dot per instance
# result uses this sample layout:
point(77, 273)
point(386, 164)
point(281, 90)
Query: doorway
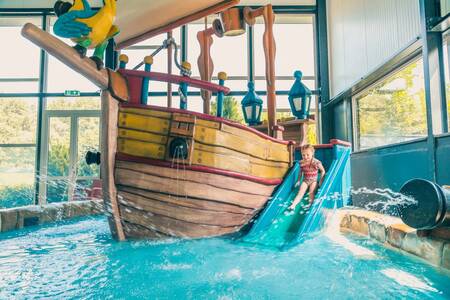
point(66, 137)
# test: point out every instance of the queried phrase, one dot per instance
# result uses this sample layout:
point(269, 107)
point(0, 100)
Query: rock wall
point(433, 246)
point(19, 217)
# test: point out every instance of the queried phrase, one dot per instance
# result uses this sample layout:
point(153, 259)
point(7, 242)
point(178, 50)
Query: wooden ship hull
point(169, 172)
point(223, 179)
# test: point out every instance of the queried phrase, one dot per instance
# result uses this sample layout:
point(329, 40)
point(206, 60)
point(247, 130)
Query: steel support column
point(434, 79)
point(40, 112)
point(111, 56)
point(251, 51)
point(184, 43)
point(325, 120)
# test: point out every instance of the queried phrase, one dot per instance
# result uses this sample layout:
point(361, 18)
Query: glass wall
point(20, 95)
point(230, 54)
point(393, 110)
point(19, 75)
point(136, 54)
point(19, 72)
point(71, 125)
point(294, 38)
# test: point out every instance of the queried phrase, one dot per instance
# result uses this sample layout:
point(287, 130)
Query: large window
point(393, 110)
point(71, 79)
point(136, 54)
point(20, 95)
point(41, 91)
point(294, 38)
point(19, 74)
point(229, 54)
point(19, 71)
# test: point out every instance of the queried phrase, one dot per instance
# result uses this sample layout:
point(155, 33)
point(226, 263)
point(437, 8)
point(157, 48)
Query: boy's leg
point(301, 193)
point(312, 191)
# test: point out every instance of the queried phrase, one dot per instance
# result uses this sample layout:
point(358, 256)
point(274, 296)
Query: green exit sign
point(72, 93)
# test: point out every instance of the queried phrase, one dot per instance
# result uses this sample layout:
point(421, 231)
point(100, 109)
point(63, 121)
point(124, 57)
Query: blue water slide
point(276, 227)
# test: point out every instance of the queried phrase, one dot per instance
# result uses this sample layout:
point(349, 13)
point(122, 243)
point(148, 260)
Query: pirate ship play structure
point(173, 172)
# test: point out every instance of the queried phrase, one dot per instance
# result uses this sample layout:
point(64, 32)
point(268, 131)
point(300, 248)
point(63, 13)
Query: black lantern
point(252, 106)
point(300, 97)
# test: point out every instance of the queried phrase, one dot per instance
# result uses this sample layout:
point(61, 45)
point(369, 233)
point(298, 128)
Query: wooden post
point(123, 60)
point(222, 77)
point(110, 113)
point(269, 55)
point(204, 61)
point(169, 70)
point(303, 132)
point(183, 88)
point(148, 60)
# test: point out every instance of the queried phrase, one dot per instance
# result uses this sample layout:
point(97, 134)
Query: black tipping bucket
point(431, 207)
point(92, 158)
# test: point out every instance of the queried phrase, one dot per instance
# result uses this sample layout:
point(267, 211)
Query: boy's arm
point(322, 174)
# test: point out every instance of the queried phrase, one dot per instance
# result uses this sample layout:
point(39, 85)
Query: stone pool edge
point(20, 217)
point(433, 247)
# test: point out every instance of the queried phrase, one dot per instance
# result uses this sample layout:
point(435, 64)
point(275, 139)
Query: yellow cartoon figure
point(86, 27)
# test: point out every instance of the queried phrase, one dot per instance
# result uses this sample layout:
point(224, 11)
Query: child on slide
point(309, 167)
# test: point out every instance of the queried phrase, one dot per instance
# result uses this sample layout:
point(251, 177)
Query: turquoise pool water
point(79, 259)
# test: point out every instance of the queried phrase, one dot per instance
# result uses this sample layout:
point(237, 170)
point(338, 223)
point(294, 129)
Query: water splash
point(180, 166)
point(388, 201)
point(332, 232)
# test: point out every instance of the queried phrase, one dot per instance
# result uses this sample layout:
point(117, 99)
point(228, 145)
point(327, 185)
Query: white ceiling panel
point(137, 17)
point(49, 3)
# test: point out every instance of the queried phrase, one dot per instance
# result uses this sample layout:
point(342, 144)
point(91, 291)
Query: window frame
point(354, 108)
point(45, 14)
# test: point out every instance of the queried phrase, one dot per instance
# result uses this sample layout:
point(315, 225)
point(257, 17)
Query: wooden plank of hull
point(181, 213)
point(214, 157)
point(142, 149)
point(147, 123)
point(227, 159)
point(142, 136)
point(240, 185)
point(109, 145)
point(145, 144)
point(141, 232)
point(237, 164)
point(182, 187)
point(147, 112)
point(216, 149)
point(172, 227)
point(274, 148)
point(188, 202)
point(208, 132)
point(256, 146)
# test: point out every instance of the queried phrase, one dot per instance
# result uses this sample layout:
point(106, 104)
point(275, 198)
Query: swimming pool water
point(78, 259)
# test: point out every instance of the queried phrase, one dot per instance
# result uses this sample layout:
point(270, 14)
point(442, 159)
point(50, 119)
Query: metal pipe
point(428, 206)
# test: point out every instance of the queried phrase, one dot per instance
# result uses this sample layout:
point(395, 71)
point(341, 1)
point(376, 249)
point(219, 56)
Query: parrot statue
point(86, 27)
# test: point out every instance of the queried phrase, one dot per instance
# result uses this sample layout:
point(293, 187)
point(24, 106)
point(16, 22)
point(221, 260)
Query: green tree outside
point(18, 126)
point(394, 110)
point(231, 109)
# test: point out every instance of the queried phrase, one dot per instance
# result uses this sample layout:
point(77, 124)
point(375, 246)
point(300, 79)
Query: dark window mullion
point(40, 111)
